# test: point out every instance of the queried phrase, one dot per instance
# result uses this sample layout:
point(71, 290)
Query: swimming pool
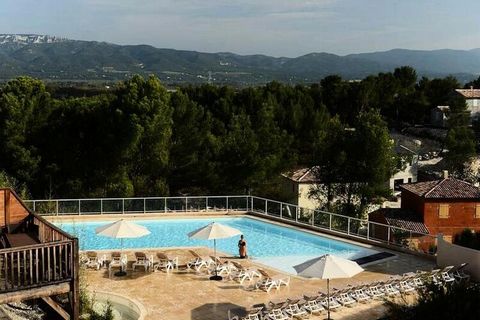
point(277, 246)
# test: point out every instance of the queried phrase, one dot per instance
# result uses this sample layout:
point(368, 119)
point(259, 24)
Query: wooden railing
point(36, 265)
point(44, 230)
point(52, 261)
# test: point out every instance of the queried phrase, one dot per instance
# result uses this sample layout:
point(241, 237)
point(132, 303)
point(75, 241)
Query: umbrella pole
point(215, 254)
point(216, 276)
point(328, 299)
point(121, 272)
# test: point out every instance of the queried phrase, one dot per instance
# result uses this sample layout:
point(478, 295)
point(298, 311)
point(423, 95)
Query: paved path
point(184, 295)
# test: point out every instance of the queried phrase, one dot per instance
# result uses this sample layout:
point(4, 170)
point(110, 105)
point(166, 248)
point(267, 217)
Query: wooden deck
point(37, 259)
point(20, 239)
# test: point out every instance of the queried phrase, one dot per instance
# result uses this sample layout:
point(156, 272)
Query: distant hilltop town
point(29, 38)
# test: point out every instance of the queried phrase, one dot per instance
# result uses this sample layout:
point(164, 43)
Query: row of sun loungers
point(118, 261)
point(231, 270)
point(317, 303)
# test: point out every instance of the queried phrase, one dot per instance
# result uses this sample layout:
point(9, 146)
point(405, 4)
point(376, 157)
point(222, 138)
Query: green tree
point(353, 165)
point(194, 148)
point(24, 106)
point(460, 141)
point(147, 104)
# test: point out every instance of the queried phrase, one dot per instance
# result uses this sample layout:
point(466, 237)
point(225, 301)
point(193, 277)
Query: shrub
point(458, 301)
point(468, 238)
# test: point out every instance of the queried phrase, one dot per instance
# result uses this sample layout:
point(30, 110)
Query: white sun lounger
point(360, 295)
point(333, 303)
point(405, 287)
point(345, 299)
point(294, 310)
point(91, 260)
point(390, 290)
point(141, 261)
point(375, 291)
point(165, 262)
point(269, 282)
point(276, 314)
point(313, 307)
point(199, 262)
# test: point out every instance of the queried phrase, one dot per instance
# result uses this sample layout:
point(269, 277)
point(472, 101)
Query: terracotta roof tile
point(449, 188)
point(404, 219)
point(469, 93)
point(303, 175)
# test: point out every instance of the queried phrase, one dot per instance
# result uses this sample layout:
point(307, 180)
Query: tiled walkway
point(182, 295)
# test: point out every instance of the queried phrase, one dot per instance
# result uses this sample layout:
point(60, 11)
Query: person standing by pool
point(242, 247)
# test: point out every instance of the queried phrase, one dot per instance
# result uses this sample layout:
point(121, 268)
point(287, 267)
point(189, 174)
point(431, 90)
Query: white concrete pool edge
point(72, 219)
point(96, 218)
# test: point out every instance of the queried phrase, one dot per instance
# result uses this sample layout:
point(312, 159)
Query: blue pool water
point(276, 246)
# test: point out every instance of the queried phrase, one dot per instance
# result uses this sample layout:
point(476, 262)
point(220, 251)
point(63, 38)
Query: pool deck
point(186, 295)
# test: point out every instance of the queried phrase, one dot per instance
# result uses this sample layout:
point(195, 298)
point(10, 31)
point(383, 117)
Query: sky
point(274, 27)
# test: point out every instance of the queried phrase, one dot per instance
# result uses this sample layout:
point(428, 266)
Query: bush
point(87, 303)
point(468, 238)
point(458, 301)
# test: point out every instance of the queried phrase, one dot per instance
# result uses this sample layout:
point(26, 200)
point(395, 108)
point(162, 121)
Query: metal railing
point(344, 225)
point(289, 213)
point(138, 205)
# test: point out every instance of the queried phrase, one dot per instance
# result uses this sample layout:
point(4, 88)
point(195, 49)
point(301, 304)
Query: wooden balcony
point(37, 259)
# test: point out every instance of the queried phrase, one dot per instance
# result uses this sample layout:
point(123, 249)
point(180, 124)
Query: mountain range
point(61, 59)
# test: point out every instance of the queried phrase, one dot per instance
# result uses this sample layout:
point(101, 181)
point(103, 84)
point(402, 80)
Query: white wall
point(410, 172)
point(304, 201)
point(473, 105)
point(451, 254)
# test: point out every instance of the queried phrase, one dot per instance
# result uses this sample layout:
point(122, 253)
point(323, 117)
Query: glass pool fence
point(281, 211)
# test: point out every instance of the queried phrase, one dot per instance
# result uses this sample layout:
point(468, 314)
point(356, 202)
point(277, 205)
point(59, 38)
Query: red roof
point(449, 188)
point(303, 175)
point(404, 219)
point(469, 93)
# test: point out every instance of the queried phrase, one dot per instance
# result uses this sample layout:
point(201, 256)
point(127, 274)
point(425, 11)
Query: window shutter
point(443, 211)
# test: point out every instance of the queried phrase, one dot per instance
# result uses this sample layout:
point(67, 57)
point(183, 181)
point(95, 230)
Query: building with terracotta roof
point(444, 206)
point(299, 184)
point(472, 97)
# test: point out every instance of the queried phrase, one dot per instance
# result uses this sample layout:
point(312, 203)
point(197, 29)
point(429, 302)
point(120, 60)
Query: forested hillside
point(140, 140)
point(59, 59)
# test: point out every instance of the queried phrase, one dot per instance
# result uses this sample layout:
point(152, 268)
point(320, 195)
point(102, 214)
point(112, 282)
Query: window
point(443, 211)
point(397, 183)
point(477, 211)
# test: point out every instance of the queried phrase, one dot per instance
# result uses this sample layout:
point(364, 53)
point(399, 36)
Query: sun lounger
point(141, 260)
point(459, 274)
point(240, 273)
point(312, 305)
point(375, 291)
point(294, 310)
point(344, 298)
point(254, 313)
point(221, 267)
point(405, 287)
point(117, 261)
point(360, 295)
point(276, 312)
point(445, 275)
point(332, 303)
point(165, 262)
point(91, 260)
point(390, 290)
point(269, 282)
point(199, 262)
